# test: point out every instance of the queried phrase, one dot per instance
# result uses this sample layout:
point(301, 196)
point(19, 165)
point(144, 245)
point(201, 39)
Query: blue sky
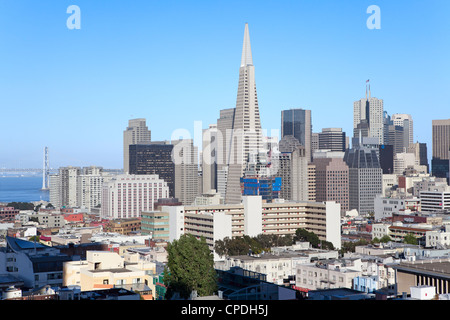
point(177, 62)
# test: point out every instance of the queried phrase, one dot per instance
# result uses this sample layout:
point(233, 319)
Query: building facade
point(369, 111)
point(137, 132)
point(126, 196)
point(154, 158)
point(332, 139)
point(298, 123)
point(247, 133)
point(365, 178)
point(441, 147)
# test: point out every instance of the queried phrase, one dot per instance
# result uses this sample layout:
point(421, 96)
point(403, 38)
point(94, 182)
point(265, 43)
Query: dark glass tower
point(297, 123)
point(154, 159)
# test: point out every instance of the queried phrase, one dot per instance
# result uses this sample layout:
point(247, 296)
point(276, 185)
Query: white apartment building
point(438, 238)
point(387, 207)
point(389, 182)
point(328, 274)
point(77, 187)
point(126, 196)
point(277, 267)
point(435, 200)
point(252, 217)
point(280, 264)
point(379, 230)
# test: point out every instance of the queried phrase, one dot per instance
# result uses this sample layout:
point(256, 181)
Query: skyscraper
point(370, 110)
point(332, 139)
point(332, 175)
point(421, 153)
point(209, 159)
point(137, 132)
point(293, 170)
point(441, 148)
point(185, 157)
point(365, 178)
point(405, 121)
point(154, 158)
point(297, 123)
point(246, 135)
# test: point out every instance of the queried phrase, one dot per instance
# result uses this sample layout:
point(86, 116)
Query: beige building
point(441, 138)
point(103, 269)
point(254, 217)
point(185, 157)
point(136, 132)
point(332, 178)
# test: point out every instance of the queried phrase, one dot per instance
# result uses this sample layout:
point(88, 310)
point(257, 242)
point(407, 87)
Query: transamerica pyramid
point(246, 137)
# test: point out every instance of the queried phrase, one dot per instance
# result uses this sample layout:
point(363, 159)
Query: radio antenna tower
point(45, 171)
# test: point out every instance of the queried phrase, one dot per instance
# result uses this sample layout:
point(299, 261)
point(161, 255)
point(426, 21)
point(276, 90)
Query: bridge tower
point(45, 171)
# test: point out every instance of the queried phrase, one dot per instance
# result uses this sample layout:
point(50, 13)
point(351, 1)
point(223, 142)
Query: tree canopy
point(307, 236)
point(21, 205)
point(190, 267)
point(245, 244)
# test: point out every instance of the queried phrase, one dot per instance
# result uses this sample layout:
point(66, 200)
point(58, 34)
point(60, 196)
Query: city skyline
point(176, 64)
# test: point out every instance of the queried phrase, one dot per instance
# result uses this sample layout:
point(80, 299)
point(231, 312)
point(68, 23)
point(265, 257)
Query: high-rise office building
point(421, 153)
point(293, 170)
point(297, 123)
point(209, 158)
point(314, 142)
point(441, 148)
point(332, 139)
point(246, 135)
point(137, 132)
point(386, 157)
point(185, 157)
point(405, 121)
point(365, 178)
point(369, 110)
point(396, 136)
point(332, 180)
point(154, 158)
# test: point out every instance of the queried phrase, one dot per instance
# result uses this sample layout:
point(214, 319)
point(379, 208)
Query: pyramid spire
point(246, 49)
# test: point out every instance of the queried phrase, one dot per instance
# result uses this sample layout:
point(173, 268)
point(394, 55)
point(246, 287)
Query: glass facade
point(293, 123)
point(154, 159)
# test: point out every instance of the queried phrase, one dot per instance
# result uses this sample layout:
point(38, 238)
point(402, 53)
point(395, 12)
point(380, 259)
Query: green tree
point(306, 236)
point(190, 267)
point(34, 239)
point(21, 205)
point(410, 239)
point(349, 246)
